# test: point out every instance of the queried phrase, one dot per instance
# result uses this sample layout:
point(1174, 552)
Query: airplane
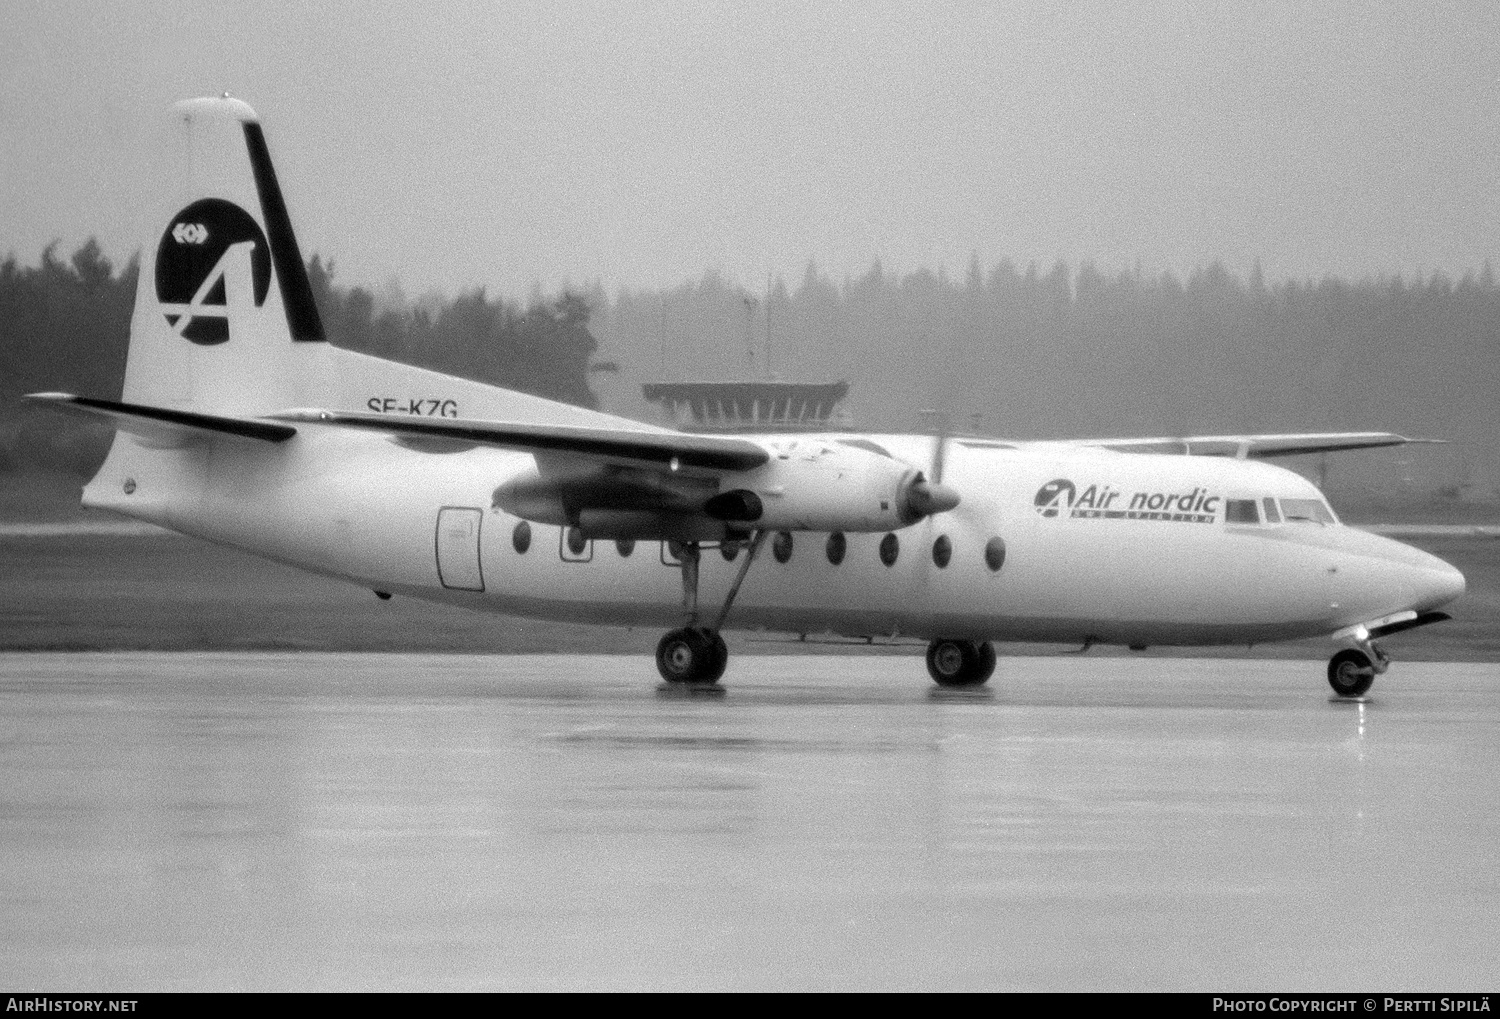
point(240, 424)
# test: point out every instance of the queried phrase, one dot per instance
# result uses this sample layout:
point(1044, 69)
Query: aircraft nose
point(1442, 585)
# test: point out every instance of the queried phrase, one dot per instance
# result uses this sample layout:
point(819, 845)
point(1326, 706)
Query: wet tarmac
point(314, 821)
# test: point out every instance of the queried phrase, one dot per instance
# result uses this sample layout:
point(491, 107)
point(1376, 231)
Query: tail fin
point(225, 323)
point(210, 332)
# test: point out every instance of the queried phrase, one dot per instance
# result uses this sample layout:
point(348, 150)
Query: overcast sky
point(452, 145)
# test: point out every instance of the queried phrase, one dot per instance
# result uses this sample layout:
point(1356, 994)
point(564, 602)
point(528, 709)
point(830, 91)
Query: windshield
point(1307, 511)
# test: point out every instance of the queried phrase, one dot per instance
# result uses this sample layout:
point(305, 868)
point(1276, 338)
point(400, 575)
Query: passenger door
point(458, 548)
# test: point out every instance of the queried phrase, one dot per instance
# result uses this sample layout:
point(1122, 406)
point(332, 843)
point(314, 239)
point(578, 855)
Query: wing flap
point(164, 425)
point(669, 450)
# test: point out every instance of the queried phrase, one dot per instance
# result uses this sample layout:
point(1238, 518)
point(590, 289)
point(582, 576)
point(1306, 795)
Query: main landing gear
point(692, 654)
point(1352, 671)
point(960, 663)
point(697, 654)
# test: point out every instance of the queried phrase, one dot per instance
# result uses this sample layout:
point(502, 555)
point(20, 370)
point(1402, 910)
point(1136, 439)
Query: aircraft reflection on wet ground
point(291, 821)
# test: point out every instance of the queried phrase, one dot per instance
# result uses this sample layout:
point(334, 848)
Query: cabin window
point(994, 554)
point(942, 551)
point(521, 537)
point(837, 546)
point(890, 548)
point(1241, 511)
point(1272, 516)
point(575, 548)
point(781, 546)
point(626, 546)
point(1306, 511)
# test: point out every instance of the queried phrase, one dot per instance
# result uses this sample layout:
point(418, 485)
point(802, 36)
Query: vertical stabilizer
point(224, 318)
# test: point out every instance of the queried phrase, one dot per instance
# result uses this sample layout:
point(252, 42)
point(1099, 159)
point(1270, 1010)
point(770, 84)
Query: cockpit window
point(1272, 516)
point(1306, 511)
point(1240, 511)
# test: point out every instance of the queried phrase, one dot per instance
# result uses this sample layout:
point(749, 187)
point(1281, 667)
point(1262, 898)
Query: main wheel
point(1350, 673)
point(691, 655)
point(986, 662)
point(720, 656)
point(960, 663)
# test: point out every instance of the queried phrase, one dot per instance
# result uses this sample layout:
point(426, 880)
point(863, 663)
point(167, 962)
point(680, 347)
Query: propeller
point(945, 497)
point(924, 498)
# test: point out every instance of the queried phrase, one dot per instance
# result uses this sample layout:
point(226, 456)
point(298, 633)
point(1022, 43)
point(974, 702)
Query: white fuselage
point(1137, 550)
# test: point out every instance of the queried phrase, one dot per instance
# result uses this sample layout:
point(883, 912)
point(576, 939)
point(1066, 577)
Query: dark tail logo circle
point(1054, 497)
point(198, 250)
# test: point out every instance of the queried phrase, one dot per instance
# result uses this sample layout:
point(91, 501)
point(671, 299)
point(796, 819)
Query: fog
point(640, 145)
point(1086, 219)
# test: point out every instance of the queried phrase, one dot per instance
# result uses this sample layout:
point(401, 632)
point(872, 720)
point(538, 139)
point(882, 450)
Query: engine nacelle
point(810, 484)
point(825, 485)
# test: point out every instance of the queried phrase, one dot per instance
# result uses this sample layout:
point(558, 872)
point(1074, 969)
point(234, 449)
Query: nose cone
point(1440, 585)
point(924, 498)
point(1377, 575)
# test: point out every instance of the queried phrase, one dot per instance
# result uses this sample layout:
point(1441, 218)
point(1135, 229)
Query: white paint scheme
point(366, 506)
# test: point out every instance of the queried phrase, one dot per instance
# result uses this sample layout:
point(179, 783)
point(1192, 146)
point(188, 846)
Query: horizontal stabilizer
point(163, 424)
point(1259, 446)
point(673, 450)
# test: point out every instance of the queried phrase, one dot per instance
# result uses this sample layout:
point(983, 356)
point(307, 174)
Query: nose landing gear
point(1352, 671)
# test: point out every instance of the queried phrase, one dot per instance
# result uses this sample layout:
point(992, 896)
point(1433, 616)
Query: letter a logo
point(1054, 497)
point(212, 257)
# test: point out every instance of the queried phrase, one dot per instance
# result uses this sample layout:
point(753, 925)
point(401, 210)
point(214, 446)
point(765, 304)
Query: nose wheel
point(1352, 672)
point(960, 663)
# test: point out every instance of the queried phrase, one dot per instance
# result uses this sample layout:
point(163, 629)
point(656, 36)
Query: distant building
point(752, 406)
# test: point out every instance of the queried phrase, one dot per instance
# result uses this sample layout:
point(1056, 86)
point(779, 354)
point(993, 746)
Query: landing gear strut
point(696, 653)
point(960, 663)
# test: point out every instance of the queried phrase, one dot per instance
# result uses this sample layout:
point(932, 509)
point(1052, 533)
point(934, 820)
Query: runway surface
point(315, 821)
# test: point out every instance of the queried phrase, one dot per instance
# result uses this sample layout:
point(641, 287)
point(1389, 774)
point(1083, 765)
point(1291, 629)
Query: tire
point(690, 656)
point(986, 662)
point(959, 663)
point(1350, 673)
point(720, 657)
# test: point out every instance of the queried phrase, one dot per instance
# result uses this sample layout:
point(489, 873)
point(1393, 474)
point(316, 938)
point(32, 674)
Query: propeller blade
point(939, 455)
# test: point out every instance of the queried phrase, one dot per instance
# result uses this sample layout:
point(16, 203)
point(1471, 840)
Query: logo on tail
point(208, 251)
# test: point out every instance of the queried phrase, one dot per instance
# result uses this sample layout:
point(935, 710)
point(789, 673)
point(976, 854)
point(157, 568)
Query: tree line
point(1019, 352)
point(1077, 352)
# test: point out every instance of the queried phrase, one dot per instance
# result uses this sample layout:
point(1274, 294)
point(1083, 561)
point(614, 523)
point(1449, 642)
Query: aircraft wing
point(653, 449)
point(163, 425)
point(1258, 446)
